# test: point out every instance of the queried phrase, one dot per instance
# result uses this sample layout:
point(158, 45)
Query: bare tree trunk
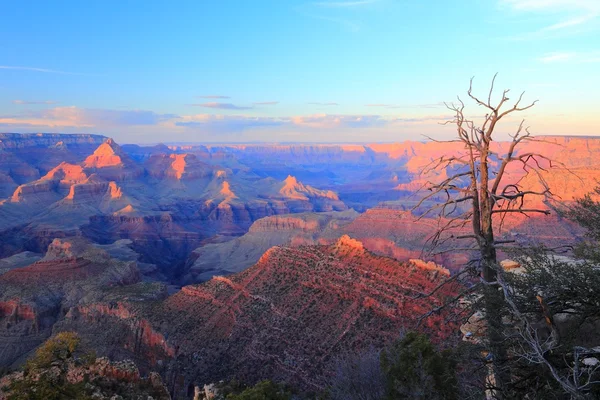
point(487, 195)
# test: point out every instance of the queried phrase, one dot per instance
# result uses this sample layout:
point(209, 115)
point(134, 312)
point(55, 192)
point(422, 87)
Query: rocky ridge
point(33, 298)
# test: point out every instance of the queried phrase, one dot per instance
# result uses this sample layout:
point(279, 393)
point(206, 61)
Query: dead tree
point(476, 195)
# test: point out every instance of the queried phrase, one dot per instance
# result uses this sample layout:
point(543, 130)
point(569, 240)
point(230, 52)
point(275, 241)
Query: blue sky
point(262, 70)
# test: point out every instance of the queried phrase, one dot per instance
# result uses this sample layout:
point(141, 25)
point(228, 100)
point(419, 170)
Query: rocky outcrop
point(100, 379)
point(177, 167)
point(223, 258)
point(385, 231)
point(142, 339)
point(108, 154)
point(292, 312)
point(345, 246)
point(66, 174)
point(282, 223)
point(38, 192)
point(293, 189)
point(32, 296)
point(111, 163)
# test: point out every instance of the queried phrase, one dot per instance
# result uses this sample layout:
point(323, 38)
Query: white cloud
point(222, 106)
point(85, 117)
point(573, 57)
point(213, 96)
point(318, 103)
point(212, 123)
point(265, 103)
point(571, 15)
point(345, 4)
point(33, 102)
point(344, 13)
point(36, 69)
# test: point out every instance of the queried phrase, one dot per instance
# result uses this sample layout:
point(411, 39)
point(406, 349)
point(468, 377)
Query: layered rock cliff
point(33, 297)
point(289, 314)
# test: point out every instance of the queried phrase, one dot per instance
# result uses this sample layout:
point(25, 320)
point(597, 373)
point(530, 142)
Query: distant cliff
point(22, 140)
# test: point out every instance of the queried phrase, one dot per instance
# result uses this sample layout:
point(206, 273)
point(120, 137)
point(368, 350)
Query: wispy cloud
point(318, 122)
point(347, 14)
point(26, 102)
point(316, 103)
point(543, 85)
point(427, 118)
point(572, 16)
point(35, 69)
point(394, 106)
point(85, 117)
point(266, 103)
point(572, 57)
point(213, 97)
point(347, 23)
point(76, 118)
point(221, 106)
point(238, 123)
point(556, 57)
point(345, 4)
point(338, 121)
point(227, 123)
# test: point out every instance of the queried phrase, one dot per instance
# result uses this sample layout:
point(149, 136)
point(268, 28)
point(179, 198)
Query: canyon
point(198, 261)
point(288, 316)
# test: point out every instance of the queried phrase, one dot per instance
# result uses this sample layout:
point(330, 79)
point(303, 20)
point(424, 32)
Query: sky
point(293, 70)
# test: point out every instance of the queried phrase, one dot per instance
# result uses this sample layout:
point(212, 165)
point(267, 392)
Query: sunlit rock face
point(109, 194)
point(177, 167)
point(299, 306)
point(384, 231)
point(108, 154)
point(296, 190)
point(66, 173)
point(279, 273)
point(174, 198)
point(27, 157)
point(304, 304)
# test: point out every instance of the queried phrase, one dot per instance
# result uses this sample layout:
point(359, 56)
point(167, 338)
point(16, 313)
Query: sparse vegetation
point(44, 375)
point(552, 307)
point(410, 368)
point(553, 314)
point(358, 376)
point(264, 390)
point(415, 369)
point(61, 370)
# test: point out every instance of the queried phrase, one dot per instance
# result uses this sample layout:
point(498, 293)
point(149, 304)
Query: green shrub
point(265, 390)
point(56, 350)
point(415, 369)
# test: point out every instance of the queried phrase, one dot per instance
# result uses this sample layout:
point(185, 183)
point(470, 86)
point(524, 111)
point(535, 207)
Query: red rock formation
point(31, 297)
point(141, 329)
point(66, 173)
point(297, 308)
point(293, 189)
point(108, 154)
point(15, 311)
point(177, 166)
point(285, 223)
point(103, 379)
point(40, 192)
